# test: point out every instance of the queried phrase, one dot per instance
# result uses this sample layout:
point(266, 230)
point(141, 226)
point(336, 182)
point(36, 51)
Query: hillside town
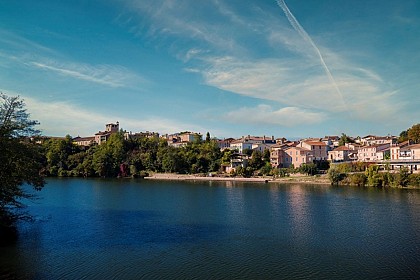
point(285, 153)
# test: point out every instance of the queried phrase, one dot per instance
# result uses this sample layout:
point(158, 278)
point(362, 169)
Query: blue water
point(134, 229)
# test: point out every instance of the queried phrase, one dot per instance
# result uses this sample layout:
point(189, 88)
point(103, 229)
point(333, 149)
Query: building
point(137, 135)
point(371, 140)
point(84, 141)
point(225, 143)
point(182, 139)
point(235, 162)
point(240, 145)
point(252, 142)
point(103, 136)
point(318, 148)
point(340, 154)
point(395, 149)
point(297, 156)
point(277, 158)
point(373, 152)
point(331, 142)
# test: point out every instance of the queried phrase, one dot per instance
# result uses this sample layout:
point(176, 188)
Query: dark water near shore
point(127, 229)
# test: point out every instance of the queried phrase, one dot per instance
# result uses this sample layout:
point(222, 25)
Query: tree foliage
point(414, 133)
point(308, 168)
point(344, 139)
point(20, 159)
point(335, 176)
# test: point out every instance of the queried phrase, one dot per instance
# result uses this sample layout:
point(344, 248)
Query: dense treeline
point(119, 157)
point(364, 174)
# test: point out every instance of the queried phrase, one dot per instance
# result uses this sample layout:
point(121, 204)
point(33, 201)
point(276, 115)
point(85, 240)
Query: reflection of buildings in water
point(274, 196)
point(229, 184)
point(412, 200)
point(298, 202)
point(234, 202)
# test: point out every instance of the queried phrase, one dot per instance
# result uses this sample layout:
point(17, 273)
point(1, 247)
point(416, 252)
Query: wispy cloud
point(294, 83)
point(265, 114)
point(294, 73)
point(21, 44)
point(32, 54)
point(61, 118)
point(108, 75)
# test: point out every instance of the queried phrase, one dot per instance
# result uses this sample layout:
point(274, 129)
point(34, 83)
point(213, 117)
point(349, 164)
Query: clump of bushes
point(340, 174)
point(336, 176)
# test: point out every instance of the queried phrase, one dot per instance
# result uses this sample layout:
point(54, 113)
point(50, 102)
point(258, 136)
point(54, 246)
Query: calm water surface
point(133, 229)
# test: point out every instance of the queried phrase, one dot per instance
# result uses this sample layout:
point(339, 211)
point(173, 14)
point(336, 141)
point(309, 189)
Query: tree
point(308, 168)
point(256, 161)
point(108, 156)
point(403, 177)
point(403, 136)
point(20, 160)
point(414, 133)
point(344, 139)
point(335, 176)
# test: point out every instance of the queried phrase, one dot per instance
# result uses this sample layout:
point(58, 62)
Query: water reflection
point(234, 199)
point(133, 229)
point(300, 212)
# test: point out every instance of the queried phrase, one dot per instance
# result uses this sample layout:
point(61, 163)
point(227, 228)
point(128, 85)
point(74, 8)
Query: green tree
point(374, 179)
point(403, 136)
point(256, 161)
point(335, 176)
point(414, 133)
point(247, 152)
point(266, 169)
point(58, 152)
point(20, 160)
point(266, 155)
point(344, 139)
point(109, 155)
point(403, 177)
point(308, 168)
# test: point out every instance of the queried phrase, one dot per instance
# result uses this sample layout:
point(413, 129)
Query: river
point(135, 229)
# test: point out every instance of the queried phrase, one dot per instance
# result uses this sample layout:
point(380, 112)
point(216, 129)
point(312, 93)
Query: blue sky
point(288, 68)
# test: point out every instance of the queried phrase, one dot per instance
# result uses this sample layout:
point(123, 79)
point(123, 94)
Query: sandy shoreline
point(267, 179)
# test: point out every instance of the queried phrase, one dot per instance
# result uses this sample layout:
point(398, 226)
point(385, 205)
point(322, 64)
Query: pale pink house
point(277, 157)
point(296, 156)
point(318, 149)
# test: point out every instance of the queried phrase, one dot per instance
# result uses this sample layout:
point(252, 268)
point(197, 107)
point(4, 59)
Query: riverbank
point(263, 179)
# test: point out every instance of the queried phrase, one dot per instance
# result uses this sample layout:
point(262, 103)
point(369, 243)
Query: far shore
point(262, 179)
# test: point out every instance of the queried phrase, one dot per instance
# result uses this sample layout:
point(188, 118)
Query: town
point(381, 150)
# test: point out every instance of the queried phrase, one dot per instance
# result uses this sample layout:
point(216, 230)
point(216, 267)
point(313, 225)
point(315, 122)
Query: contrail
point(299, 29)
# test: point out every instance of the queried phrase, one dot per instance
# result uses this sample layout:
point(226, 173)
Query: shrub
point(414, 180)
point(335, 176)
point(358, 179)
point(281, 172)
point(403, 177)
point(308, 168)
